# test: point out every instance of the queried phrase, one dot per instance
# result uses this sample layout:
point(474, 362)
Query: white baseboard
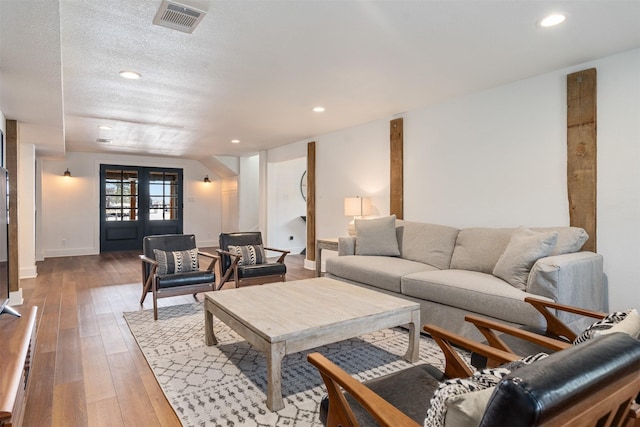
point(70, 252)
point(29, 273)
point(309, 265)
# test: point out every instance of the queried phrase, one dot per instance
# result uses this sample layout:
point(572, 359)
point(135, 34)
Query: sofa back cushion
point(427, 243)
point(479, 248)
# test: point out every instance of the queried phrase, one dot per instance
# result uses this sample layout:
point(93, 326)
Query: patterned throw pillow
point(480, 380)
point(176, 262)
point(251, 254)
point(601, 325)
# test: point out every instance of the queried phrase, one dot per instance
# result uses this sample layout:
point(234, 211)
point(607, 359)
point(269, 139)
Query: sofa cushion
point(377, 236)
point(428, 243)
point(478, 249)
point(472, 291)
point(570, 239)
point(378, 271)
point(523, 250)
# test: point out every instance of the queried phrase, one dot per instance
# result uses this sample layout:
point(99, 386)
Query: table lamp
point(357, 207)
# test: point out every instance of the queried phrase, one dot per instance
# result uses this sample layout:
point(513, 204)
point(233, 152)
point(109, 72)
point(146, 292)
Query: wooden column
point(396, 182)
point(582, 152)
point(311, 201)
point(11, 163)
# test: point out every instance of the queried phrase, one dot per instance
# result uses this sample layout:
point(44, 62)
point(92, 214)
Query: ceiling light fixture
point(67, 173)
point(551, 20)
point(319, 109)
point(105, 127)
point(235, 141)
point(132, 75)
point(206, 179)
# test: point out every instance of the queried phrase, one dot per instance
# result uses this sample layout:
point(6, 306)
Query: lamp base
point(351, 228)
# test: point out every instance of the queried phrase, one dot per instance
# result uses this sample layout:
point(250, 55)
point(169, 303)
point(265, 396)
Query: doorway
point(136, 202)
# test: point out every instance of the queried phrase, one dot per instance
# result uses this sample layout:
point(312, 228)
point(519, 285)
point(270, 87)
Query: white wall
point(286, 229)
point(70, 206)
point(498, 158)
point(249, 194)
point(27, 210)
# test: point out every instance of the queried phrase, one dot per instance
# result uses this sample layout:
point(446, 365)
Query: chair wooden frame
point(557, 337)
point(387, 415)
point(612, 405)
point(232, 271)
point(151, 283)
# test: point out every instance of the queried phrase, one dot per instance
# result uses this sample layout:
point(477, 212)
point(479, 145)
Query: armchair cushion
point(188, 278)
point(258, 270)
point(251, 254)
point(176, 261)
point(459, 392)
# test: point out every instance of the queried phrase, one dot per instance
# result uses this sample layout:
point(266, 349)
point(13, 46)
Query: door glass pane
point(163, 196)
point(121, 195)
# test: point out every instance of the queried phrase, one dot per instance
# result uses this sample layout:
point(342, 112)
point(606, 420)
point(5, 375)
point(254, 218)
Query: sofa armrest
point(346, 246)
point(574, 279)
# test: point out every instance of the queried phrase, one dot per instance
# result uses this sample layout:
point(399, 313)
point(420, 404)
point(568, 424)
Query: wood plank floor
point(88, 369)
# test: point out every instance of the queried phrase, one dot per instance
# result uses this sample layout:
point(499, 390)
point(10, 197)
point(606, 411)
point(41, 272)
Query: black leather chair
point(172, 284)
point(591, 384)
point(231, 267)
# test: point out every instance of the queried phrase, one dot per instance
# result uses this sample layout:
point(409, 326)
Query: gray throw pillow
point(377, 236)
point(250, 254)
point(523, 250)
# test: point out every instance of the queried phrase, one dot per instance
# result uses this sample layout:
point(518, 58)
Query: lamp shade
point(357, 206)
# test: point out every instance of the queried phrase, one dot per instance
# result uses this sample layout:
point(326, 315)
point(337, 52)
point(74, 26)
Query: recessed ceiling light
point(105, 127)
point(235, 141)
point(104, 140)
point(319, 109)
point(130, 75)
point(551, 20)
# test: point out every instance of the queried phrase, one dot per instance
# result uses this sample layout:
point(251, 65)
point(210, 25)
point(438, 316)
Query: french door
point(137, 202)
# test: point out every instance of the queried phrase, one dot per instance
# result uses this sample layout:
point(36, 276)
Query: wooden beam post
point(582, 153)
point(11, 141)
point(396, 183)
point(311, 201)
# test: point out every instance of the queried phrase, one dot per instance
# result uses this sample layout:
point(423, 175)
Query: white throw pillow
point(522, 252)
point(630, 325)
point(377, 236)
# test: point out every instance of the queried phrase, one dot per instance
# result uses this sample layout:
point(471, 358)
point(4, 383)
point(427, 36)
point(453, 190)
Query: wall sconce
point(357, 207)
point(206, 179)
point(67, 173)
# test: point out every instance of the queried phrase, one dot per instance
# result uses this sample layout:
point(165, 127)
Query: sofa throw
point(522, 252)
point(377, 236)
point(250, 254)
point(177, 261)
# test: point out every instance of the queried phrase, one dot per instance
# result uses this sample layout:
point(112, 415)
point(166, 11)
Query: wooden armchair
point(177, 280)
point(244, 272)
point(549, 392)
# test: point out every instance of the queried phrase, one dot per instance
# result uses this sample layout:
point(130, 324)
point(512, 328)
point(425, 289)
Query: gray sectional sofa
point(485, 271)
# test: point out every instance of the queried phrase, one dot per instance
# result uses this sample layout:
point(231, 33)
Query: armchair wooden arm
point(214, 259)
point(283, 252)
point(555, 326)
point(488, 327)
point(455, 366)
point(340, 413)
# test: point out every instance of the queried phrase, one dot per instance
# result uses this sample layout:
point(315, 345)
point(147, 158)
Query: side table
point(330, 244)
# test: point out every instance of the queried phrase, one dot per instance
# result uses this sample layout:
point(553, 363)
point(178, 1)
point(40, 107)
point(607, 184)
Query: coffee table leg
point(413, 353)
point(275, 353)
point(209, 336)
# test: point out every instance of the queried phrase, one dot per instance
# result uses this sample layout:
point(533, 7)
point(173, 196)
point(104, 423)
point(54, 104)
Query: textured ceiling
point(253, 70)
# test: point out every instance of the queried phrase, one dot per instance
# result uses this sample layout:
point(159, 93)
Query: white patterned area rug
point(225, 385)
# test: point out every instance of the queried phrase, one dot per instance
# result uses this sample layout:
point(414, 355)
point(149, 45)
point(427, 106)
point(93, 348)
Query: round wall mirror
point(303, 186)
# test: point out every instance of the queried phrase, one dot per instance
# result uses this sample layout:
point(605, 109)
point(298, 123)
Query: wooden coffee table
point(288, 317)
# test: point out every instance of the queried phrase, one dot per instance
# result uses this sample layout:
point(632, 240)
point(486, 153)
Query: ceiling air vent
point(178, 16)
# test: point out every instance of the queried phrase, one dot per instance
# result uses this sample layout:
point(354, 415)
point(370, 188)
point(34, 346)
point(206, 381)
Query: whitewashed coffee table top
point(279, 311)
